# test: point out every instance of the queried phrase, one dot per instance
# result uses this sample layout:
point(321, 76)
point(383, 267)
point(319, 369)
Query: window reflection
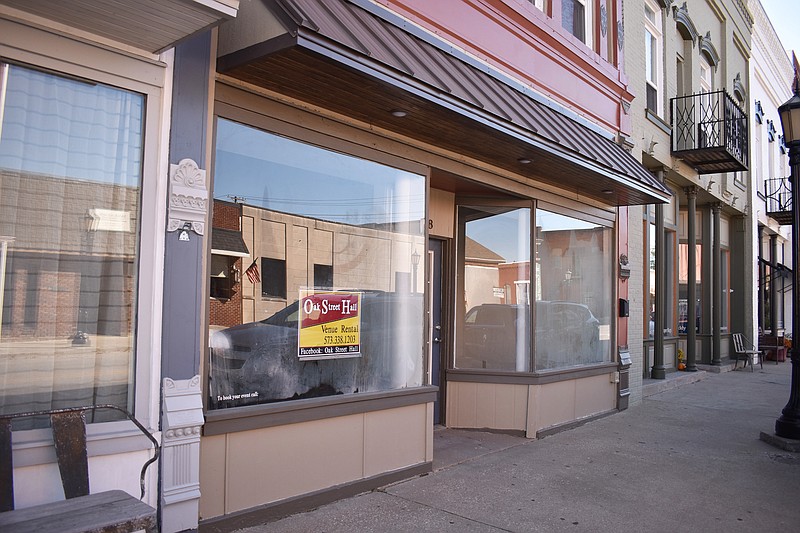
point(683, 287)
point(574, 276)
point(565, 302)
point(70, 180)
point(495, 332)
point(305, 223)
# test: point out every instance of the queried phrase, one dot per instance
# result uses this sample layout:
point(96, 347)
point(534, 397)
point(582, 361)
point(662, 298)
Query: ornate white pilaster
point(182, 421)
point(188, 197)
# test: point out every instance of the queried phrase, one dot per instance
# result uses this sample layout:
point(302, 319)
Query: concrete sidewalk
point(687, 459)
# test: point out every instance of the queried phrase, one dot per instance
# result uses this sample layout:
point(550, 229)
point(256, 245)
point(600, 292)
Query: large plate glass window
point(495, 280)
point(70, 184)
point(323, 297)
point(573, 291)
point(557, 293)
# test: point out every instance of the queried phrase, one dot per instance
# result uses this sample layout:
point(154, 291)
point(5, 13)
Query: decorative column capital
point(188, 196)
point(691, 192)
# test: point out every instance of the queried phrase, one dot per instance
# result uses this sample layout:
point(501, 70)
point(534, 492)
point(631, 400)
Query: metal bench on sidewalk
point(744, 349)
point(109, 511)
point(773, 347)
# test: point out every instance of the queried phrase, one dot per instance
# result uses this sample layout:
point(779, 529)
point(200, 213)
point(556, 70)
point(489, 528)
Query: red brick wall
point(56, 305)
point(226, 215)
point(227, 313)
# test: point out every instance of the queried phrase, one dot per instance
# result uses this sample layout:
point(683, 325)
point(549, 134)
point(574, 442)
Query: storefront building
point(295, 243)
point(771, 73)
point(406, 232)
point(691, 128)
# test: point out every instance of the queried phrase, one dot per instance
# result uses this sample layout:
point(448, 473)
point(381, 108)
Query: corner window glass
point(494, 332)
point(70, 183)
point(320, 307)
point(573, 291)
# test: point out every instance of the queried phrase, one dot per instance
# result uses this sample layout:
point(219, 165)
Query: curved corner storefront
point(383, 259)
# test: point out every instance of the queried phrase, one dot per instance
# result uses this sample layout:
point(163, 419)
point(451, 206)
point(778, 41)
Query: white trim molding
point(188, 197)
point(182, 421)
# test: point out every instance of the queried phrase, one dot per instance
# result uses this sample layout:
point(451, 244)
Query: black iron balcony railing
point(709, 132)
point(778, 194)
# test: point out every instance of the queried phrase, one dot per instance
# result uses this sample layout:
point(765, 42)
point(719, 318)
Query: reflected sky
point(507, 233)
point(265, 170)
point(70, 128)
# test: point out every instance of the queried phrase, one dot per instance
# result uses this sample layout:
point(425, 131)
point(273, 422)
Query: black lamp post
point(788, 425)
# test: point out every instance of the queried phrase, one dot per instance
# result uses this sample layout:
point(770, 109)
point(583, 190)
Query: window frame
point(257, 111)
point(70, 57)
point(459, 305)
point(654, 29)
point(276, 290)
point(588, 21)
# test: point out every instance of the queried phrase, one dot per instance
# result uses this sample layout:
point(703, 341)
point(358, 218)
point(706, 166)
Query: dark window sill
point(529, 378)
point(222, 421)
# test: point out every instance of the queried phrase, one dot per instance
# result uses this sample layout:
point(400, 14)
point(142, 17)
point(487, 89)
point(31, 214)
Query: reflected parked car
point(494, 334)
point(258, 362)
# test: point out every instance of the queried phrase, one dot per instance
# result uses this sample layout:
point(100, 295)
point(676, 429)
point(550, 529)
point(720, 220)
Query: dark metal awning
point(361, 60)
point(228, 242)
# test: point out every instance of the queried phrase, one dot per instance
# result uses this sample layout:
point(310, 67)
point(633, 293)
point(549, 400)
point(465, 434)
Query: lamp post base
point(788, 424)
point(787, 428)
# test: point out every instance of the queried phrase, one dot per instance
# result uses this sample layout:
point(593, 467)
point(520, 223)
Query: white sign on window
point(109, 220)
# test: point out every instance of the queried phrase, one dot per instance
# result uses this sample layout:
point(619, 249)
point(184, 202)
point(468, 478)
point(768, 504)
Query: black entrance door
point(435, 256)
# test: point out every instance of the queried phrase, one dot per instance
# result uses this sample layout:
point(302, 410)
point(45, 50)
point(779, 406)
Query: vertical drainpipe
point(659, 370)
point(691, 282)
point(716, 299)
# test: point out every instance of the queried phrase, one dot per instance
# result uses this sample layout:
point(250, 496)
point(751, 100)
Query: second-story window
point(538, 3)
point(706, 77)
point(576, 16)
point(653, 46)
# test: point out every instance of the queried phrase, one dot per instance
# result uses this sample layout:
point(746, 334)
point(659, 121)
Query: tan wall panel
point(511, 411)
point(248, 289)
point(461, 402)
point(487, 405)
point(298, 271)
point(594, 395)
point(212, 476)
point(273, 239)
point(321, 251)
point(551, 404)
point(441, 212)
point(363, 261)
point(429, 429)
point(395, 439)
point(272, 464)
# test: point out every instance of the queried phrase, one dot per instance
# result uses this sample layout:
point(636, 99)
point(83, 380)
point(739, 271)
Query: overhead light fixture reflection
point(607, 191)
point(399, 113)
point(524, 161)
